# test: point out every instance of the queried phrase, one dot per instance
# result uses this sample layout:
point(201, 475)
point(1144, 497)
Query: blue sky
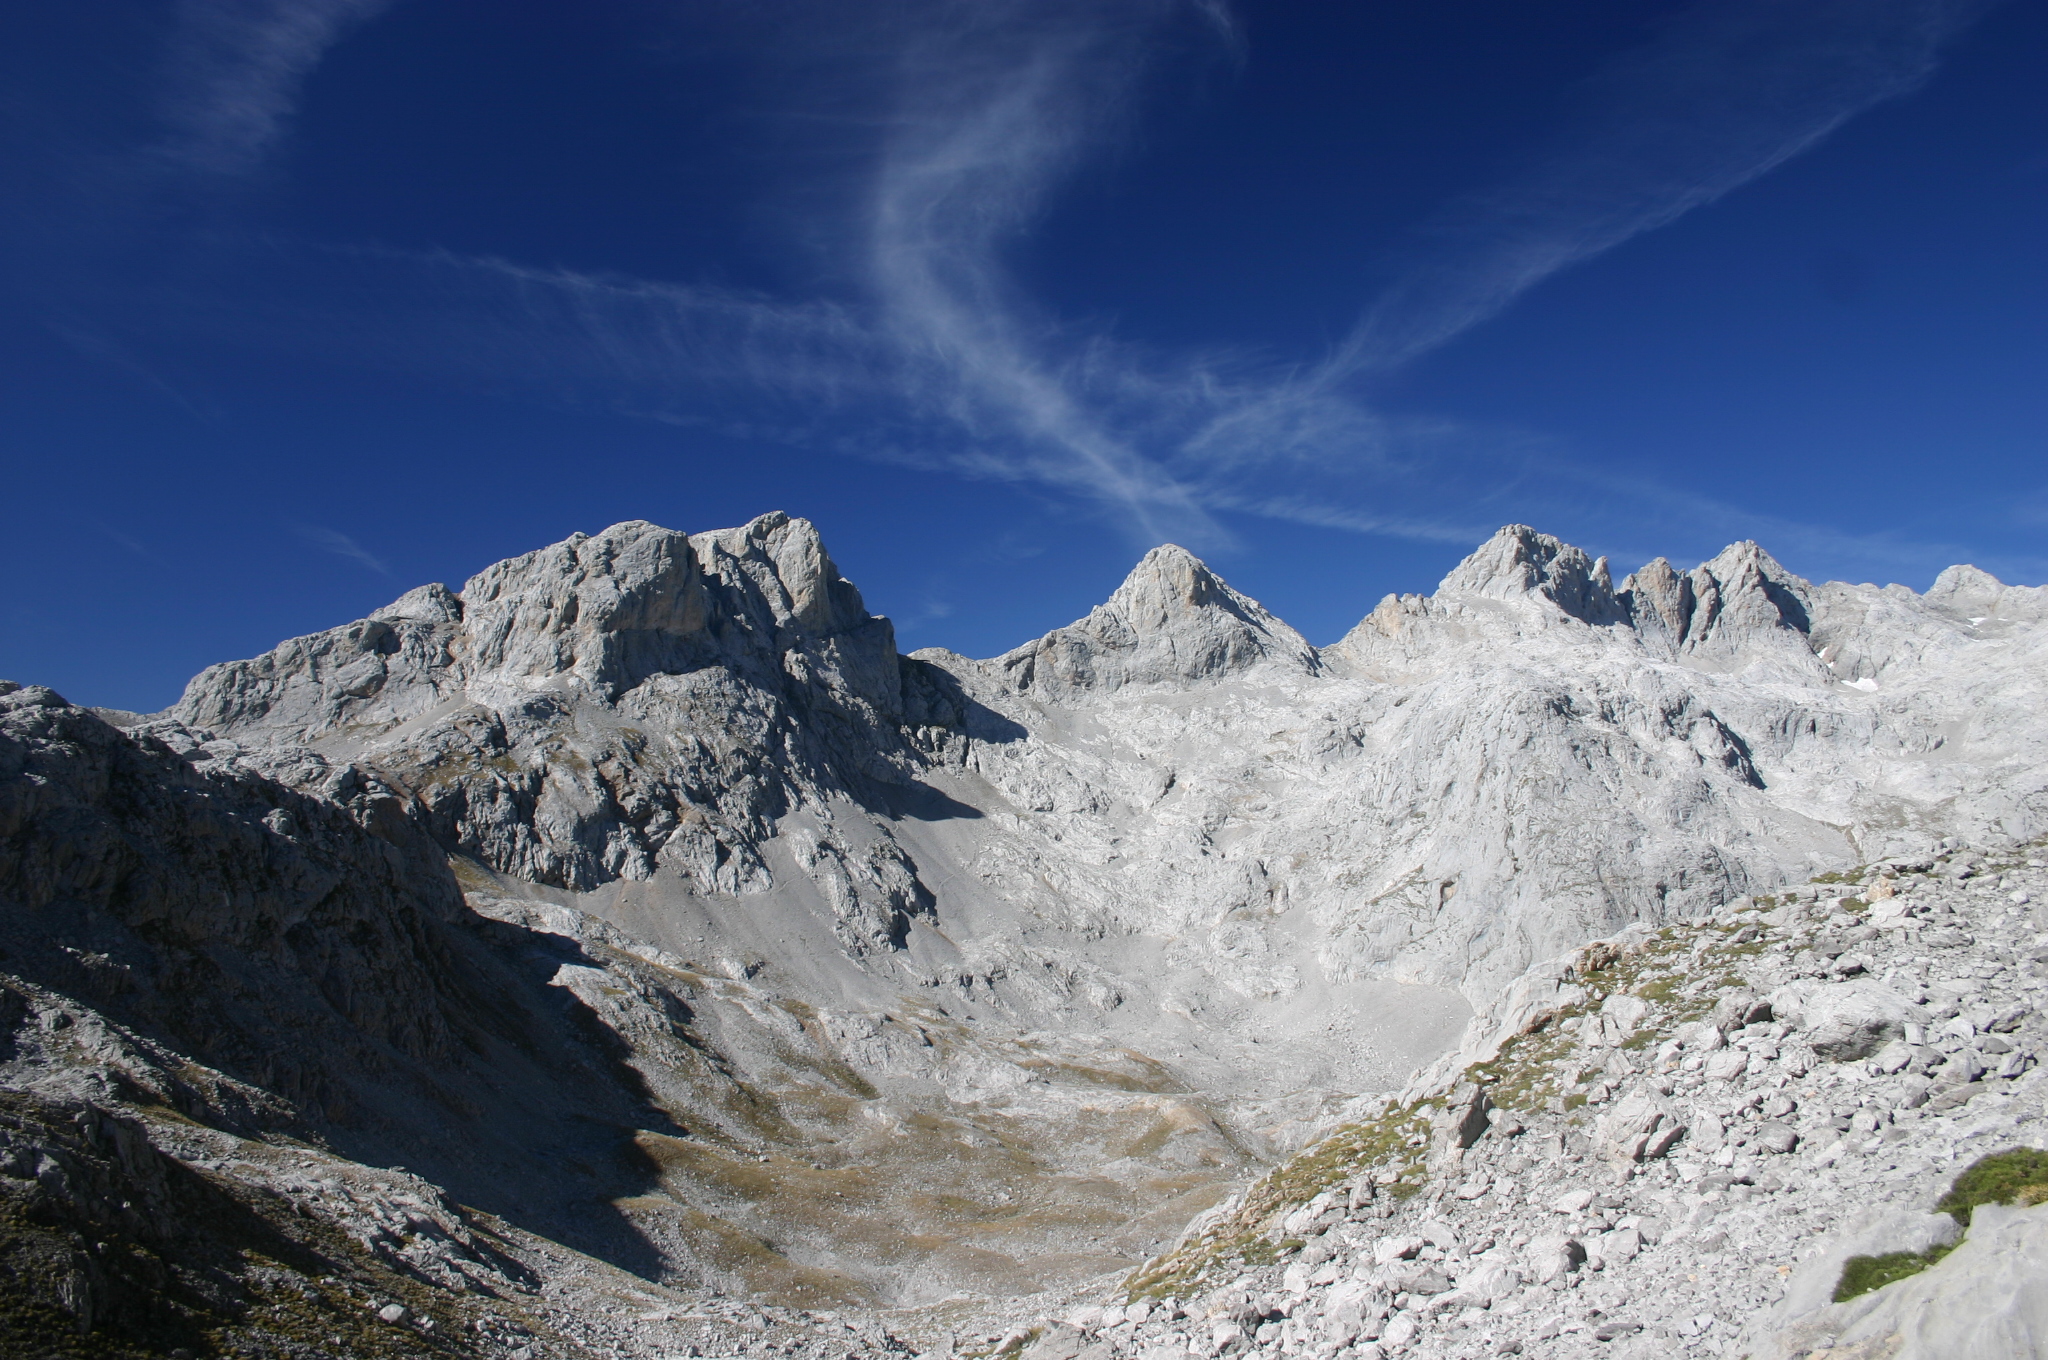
point(305, 302)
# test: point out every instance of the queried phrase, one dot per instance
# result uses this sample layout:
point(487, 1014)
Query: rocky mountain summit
point(719, 975)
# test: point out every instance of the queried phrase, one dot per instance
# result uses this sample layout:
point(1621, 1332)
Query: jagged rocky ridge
point(848, 977)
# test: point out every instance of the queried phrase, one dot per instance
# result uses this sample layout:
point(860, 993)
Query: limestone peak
point(1172, 621)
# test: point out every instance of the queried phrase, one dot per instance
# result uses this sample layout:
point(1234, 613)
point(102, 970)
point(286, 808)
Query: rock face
point(601, 708)
point(199, 940)
point(663, 825)
point(1467, 782)
point(1171, 623)
point(1985, 1298)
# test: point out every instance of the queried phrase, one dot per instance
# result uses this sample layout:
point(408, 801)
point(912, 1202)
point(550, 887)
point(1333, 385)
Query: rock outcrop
point(1172, 623)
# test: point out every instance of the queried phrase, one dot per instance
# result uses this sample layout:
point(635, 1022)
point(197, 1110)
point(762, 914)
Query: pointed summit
point(1171, 622)
point(1518, 563)
point(1742, 604)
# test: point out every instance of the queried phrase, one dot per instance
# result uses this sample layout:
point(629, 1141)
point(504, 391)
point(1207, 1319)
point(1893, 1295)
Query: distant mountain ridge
point(1134, 906)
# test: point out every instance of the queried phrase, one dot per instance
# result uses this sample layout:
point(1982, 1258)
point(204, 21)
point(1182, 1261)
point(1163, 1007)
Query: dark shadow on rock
point(934, 697)
point(1791, 608)
point(918, 802)
point(536, 1123)
point(271, 936)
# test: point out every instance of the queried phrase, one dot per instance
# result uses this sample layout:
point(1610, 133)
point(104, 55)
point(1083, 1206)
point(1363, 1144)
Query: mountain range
point(641, 896)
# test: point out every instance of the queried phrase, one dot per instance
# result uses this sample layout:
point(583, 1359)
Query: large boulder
point(1843, 1021)
point(1639, 1127)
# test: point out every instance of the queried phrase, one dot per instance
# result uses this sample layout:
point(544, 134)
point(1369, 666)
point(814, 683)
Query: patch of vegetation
point(1862, 1274)
point(1413, 1179)
point(2014, 1176)
point(1248, 1236)
point(1264, 1253)
point(1660, 990)
point(2000, 1178)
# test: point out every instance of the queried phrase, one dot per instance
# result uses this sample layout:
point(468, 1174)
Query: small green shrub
point(1999, 1178)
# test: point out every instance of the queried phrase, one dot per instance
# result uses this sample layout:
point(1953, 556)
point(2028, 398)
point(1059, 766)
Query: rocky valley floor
point(1669, 1145)
point(1666, 1143)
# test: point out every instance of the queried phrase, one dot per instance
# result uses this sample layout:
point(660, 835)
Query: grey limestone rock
point(1172, 622)
point(1847, 1019)
point(1984, 1298)
point(1170, 865)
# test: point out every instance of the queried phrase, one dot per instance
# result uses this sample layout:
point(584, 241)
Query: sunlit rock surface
point(761, 957)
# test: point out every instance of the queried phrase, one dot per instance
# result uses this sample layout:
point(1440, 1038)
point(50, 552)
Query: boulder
point(1774, 1136)
point(1487, 1284)
point(1622, 1244)
point(1637, 1128)
point(1738, 1008)
point(1726, 1065)
point(1551, 1255)
point(1464, 1117)
point(1844, 1021)
point(1390, 1249)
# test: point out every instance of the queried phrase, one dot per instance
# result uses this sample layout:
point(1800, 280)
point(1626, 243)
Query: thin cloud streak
point(993, 107)
point(341, 545)
point(234, 74)
point(937, 360)
point(1731, 91)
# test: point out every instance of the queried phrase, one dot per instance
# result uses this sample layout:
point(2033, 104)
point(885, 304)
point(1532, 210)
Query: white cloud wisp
point(977, 113)
point(234, 75)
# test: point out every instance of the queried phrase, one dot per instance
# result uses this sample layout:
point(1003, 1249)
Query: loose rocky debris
point(1667, 1143)
point(127, 1234)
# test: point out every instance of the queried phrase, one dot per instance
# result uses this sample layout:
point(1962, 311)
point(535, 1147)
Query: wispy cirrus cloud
point(233, 74)
point(341, 545)
point(967, 119)
point(1727, 92)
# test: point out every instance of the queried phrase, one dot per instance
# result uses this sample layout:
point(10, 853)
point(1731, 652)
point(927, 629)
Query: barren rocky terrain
point(631, 953)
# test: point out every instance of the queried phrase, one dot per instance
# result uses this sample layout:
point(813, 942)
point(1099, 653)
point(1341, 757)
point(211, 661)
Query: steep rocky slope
point(640, 895)
point(1673, 1141)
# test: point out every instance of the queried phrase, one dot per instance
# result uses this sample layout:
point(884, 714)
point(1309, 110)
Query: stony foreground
point(1664, 1144)
point(1668, 1145)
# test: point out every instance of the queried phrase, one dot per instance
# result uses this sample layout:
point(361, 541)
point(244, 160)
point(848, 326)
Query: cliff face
point(645, 856)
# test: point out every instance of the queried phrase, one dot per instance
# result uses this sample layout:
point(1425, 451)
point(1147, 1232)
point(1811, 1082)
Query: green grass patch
point(1660, 990)
point(1862, 1274)
point(2014, 1176)
point(1247, 1237)
point(2017, 1175)
point(1262, 1252)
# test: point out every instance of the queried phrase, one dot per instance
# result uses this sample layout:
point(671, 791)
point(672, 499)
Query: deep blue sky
point(305, 302)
